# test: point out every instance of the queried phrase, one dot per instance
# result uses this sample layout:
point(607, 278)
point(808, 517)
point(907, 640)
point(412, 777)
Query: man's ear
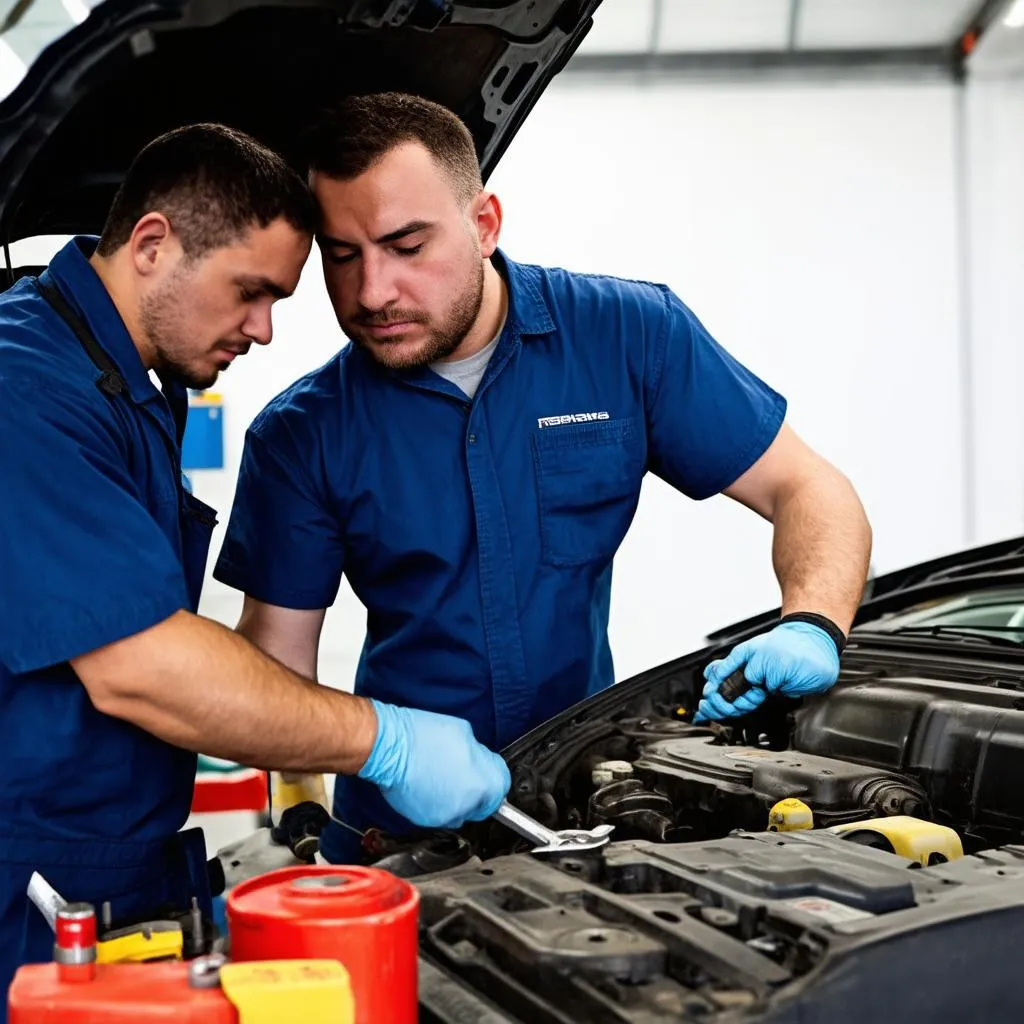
point(487, 214)
point(152, 244)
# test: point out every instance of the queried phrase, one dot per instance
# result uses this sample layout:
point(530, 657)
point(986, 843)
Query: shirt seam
point(661, 343)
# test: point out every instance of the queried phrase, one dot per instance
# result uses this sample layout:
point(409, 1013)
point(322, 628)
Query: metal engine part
point(634, 810)
point(741, 784)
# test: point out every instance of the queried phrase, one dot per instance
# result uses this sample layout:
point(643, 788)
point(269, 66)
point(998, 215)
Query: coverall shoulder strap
point(110, 382)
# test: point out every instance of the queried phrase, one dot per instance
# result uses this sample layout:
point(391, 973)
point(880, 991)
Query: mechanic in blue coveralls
point(108, 678)
point(473, 462)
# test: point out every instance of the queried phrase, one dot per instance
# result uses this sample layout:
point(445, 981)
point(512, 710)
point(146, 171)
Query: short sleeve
point(83, 563)
point(283, 545)
point(709, 419)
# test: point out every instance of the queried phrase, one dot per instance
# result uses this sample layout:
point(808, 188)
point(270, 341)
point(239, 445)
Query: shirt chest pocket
point(588, 486)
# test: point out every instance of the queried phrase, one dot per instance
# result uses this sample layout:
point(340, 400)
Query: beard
point(443, 338)
point(163, 318)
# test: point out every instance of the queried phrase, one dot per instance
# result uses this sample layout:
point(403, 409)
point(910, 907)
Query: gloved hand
point(431, 769)
point(794, 659)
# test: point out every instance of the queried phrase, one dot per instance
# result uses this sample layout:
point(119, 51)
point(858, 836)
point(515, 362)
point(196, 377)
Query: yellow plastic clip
point(790, 815)
point(271, 991)
point(154, 940)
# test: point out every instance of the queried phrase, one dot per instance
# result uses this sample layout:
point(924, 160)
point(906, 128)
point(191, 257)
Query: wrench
point(548, 840)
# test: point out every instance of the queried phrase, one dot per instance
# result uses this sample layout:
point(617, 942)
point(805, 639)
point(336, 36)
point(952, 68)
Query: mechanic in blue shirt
point(473, 462)
point(107, 677)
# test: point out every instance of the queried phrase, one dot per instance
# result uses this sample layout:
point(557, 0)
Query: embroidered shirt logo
point(572, 417)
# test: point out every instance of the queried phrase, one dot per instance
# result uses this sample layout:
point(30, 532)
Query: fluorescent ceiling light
point(78, 10)
point(1015, 15)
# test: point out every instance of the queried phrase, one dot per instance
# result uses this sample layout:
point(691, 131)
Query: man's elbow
point(833, 490)
point(124, 672)
point(110, 701)
point(109, 691)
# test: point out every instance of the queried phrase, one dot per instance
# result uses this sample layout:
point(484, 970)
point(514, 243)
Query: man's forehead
point(388, 191)
point(266, 259)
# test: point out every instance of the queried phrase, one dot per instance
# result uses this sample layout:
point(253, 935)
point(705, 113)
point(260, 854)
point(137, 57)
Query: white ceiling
point(41, 23)
point(826, 24)
point(627, 26)
point(700, 25)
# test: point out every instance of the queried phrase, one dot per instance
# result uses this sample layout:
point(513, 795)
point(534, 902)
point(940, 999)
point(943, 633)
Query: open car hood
point(987, 565)
point(137, 68)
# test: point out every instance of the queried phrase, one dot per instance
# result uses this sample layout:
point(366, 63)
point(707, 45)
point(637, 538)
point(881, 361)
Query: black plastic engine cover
point(687, 768)
point(964, 743)
point(779, 929)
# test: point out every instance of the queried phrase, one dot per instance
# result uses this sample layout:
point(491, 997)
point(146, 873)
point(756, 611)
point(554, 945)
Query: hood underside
point(137, 68)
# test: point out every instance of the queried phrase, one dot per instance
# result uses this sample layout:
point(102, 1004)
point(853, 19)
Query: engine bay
point(699, 909)
point(881, 743)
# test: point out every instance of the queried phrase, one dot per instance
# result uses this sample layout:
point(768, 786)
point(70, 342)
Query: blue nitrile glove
point(794, 659)
point(431, 769)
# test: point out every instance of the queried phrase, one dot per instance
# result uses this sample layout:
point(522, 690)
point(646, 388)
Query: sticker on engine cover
point(829, 911)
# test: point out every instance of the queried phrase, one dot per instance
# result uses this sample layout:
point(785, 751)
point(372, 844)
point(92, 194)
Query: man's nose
point(258, 326)
point(377, 285)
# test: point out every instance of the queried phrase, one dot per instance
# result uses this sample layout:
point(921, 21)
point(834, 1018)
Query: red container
point(118, 994)
point(364, 917)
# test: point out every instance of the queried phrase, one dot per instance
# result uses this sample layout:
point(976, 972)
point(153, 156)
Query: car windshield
point(995, 612)
point(28, 27)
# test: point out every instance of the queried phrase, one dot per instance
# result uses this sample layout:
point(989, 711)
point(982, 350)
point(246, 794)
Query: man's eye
point(248, 296)
point(408, 250)
point(340, 258)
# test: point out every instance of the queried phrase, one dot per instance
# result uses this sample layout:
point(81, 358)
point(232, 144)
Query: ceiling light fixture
point(78, 10)
point(1014, 17)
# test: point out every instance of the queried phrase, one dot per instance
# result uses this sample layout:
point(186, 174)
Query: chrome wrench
point(547, 840)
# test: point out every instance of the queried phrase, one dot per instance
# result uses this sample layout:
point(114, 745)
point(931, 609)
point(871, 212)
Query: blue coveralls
point(98, 541)
point(480, 534)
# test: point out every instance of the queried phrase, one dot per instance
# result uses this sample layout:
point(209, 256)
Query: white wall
point(996, 134)
point(812, 228)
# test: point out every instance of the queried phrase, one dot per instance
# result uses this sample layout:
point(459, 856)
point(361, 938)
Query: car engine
point(698, 909)
point(944, 750)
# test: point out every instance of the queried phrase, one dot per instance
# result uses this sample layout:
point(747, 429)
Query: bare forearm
point(198, 685)
point(821, 547)
point(292, 638)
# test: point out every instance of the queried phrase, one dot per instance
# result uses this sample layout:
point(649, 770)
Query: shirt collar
point(82, 287)
point(528, 310)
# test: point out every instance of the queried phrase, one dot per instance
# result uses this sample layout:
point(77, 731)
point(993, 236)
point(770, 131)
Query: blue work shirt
point(98, 541)
point(480, 534)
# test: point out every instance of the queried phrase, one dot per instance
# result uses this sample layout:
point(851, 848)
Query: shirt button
point(472, 438)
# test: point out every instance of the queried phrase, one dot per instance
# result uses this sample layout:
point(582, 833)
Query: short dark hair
point(213, 183)
point(350, 137)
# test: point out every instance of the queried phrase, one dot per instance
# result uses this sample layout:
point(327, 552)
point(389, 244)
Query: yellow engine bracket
point(790, 815)
point(272, 991)
point(153, 940)
point(923, 841)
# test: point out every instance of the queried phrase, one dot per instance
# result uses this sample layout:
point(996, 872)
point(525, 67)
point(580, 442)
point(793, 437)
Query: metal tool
point(46, 898)
point(548, 840)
